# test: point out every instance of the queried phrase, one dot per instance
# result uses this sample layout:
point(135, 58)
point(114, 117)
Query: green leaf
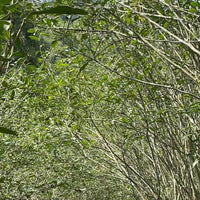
point(7, 131)
point(192, 10)
point(12, 94)
point(82, 68)
point(5, 84)
point(32, 30)
point(166, 24)
point(195, 4)
point(34, 38)
point(4, 3)
point(135, 41)
point(124, 119)
point(105, 2)
point(84, 36)
point(128, 21)
point(54, 44)
point(60, 10)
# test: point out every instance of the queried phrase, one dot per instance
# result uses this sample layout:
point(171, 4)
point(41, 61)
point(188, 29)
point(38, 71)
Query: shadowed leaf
point(7, 131)
point(82, 68)
point(60, 10)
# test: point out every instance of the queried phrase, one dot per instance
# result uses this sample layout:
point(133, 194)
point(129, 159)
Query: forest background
point(100, 100)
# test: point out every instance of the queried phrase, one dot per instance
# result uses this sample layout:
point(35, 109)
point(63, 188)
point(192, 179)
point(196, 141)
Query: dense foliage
point(100, 100)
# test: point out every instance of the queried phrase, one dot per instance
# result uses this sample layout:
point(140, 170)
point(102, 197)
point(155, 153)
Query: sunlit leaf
point(194, 4)
point(54, 43)
point(32, 30)
point(34, 38)
point(192, 10)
